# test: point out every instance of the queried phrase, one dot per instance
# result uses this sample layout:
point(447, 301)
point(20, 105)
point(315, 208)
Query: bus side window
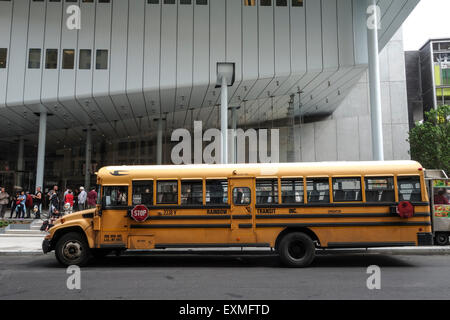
point(143, 192)
point(380, 189)
point(347, 189)
point(318, 190)
point(241, 196)
point(409, 189)
point(192, 192)
point(115, 196)
point(292, 190)
point(216, 192)
point(167, 192)
point(266, 191)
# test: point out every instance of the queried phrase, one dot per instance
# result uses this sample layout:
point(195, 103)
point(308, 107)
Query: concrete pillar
point(374, 86)
point(159, 142)
point(233, 146)
point(41, 150)
point(87, 164)
point(20, 167)
point(224, 120)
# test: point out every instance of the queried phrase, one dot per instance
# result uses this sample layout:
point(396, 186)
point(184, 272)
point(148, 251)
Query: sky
point(430, 19)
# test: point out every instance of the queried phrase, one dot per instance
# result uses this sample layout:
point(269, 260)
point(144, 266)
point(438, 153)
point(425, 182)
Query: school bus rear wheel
point(72, 249)
point(296, 250)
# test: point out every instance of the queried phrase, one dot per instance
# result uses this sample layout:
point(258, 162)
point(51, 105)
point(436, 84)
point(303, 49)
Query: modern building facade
point(428, 77)
point(101, 94)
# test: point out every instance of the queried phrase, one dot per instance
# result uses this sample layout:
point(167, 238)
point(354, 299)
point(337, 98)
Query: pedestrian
point(82, 199)
point(4, 201)
point(53, 194)
point(37, 203)
point(54, 202)
point(20, 205)
point(92, 198)
point(440, 197)
point(14, 204)
point(28, 204)
point(68, 200)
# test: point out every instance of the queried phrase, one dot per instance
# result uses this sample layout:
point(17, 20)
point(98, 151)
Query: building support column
point(19, 176)
point(159, 141)
point(41, 150)
point(233, 145)
point(374, 85)
point(87, 164)
point(224, 119)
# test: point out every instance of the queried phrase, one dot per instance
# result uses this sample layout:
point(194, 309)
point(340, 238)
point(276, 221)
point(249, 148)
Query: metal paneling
point(152, 50)
point(18, 55)
point(36, 29)
point(5, 37)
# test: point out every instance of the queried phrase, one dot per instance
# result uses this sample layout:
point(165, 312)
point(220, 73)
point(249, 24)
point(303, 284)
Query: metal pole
point(375, 89)
point(41, 150)
point(19, 176)
point(233, 134)
point(87, 172)
point(224, 120)
point(159, 142)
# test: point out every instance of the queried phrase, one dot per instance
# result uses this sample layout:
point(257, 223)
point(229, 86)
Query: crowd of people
point(26, 205)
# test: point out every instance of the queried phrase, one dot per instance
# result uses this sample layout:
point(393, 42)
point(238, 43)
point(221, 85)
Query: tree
point(430, 140)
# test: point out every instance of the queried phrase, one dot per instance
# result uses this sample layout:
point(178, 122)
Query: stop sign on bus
point(139, 213)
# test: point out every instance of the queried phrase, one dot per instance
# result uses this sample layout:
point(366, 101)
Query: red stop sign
point(139, 213)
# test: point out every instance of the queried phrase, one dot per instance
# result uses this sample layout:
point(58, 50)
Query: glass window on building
point(101, 60)
point(51, 58)
point(297, 3)
point(265, 3)
point(68, 59)
point(250, 3)
point(85, 59)
point(34, 59)
point(3, 55)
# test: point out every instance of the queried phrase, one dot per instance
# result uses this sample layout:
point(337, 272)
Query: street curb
point(21, 253)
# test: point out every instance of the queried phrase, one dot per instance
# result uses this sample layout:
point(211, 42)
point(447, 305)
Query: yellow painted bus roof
point(310, 169)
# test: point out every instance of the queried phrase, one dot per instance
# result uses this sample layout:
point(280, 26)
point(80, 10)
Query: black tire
point(72, 249)
point(296, 250)
point(441, 239)
point(100, 253)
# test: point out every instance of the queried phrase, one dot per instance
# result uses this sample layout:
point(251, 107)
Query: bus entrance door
point(242, 210)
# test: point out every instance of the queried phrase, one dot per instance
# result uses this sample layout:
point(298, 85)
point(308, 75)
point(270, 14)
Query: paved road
point(232, 276)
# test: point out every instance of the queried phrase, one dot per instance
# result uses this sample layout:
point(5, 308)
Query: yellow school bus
point(293, 208)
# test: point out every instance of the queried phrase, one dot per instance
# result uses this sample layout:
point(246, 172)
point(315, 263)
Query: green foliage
point(430, 140)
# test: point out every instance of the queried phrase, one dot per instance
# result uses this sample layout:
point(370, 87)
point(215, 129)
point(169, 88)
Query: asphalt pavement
point(228, 275)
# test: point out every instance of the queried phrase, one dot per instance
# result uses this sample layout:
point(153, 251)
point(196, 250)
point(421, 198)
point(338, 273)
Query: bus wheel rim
point(72, 250)
point(296, 250)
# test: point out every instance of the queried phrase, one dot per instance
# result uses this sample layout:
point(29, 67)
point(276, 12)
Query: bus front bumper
point(46, 246)
point(424, 239)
